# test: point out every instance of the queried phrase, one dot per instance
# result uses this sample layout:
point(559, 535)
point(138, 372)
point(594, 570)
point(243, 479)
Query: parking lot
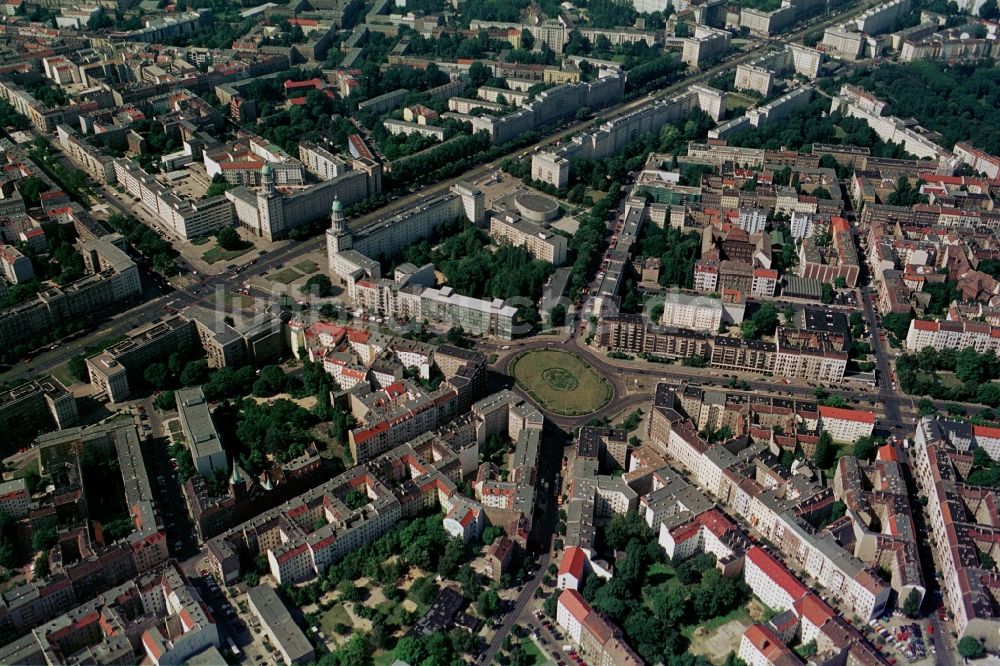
point(908, 641)
point(550, 639)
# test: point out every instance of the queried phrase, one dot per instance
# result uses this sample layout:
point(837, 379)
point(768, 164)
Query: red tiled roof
point(777, 572)
point(575, 604)
point(841, 414)
point(986, 431)
point(573, 562)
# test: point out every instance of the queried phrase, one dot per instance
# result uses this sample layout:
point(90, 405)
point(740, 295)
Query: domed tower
point(338, 237)
point(270, 207)
point(267, 179)
point(338, 223)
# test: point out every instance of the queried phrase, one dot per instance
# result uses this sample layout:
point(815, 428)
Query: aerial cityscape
point(517, 332)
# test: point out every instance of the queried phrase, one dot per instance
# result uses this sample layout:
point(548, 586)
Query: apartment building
point(127, 624)
point(16, 267)
point(690, 311)
point(405, 128)
point(750, 481)
point(475, 316)
point(278, 625)
point(573, 566)
point(742, 355)
point(979, 160)
point(632, 334)
point(858, 103)
point(34, 407)
point(112, 369)
point(184, 218)
point(600, 641)
point(321, 161)
point(706, 45)
point(553, 166)
point(541, 243)
point(827, 263)
point(200, 432)
point(81, 569)
point(305, 535)
point(814, 355)
point(880, 488)
point(959, 532)
point(15, 500)
point(846, 425)
point(949, 334)
point(241, 163)
point(112, 280)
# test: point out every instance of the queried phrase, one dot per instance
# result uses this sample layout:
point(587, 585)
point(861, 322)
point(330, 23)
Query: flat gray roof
point(196, 420)
point(273, 614)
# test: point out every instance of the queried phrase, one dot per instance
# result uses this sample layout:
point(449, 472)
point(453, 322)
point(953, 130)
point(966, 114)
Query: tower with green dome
point(338, 237)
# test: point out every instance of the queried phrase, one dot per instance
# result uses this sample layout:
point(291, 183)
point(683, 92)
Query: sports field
point(561, 382)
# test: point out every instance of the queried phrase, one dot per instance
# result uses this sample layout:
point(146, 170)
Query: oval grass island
point(561, 382)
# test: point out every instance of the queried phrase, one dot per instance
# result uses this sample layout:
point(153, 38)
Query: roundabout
point(561, 382)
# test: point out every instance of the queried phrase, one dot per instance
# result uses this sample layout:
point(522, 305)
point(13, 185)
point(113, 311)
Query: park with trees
point(657, 602)
point(949, 374)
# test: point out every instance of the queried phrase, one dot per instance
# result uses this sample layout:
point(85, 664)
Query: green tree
point(42, 568)
point(194, 373)
point(271, 381)
point(320, 285)
point(911, 607)
point(348, 592)
point(44, 536)
point(550, 604)
point(557, 315)
point(492, 533)
point(823, 456)
point(229, 239)
point(989, 11)
point(165, 401)
point(488, 603)
point(970, 648)
point(218, 186)
point(157, 375)
point(865, 449)
point(77, 367)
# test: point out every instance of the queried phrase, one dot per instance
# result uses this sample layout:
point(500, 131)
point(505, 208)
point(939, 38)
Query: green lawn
point(659, 573)
point(286, 276)
point(734, 100)
point(31, 467)
point(949, 379)
point(383, 658)
point(739, 614)
point(218, 254)
point(240, 301)
point(561, 382)
point(336, 615)
point(533, 652)
point(62, 373)
point(307, 267)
